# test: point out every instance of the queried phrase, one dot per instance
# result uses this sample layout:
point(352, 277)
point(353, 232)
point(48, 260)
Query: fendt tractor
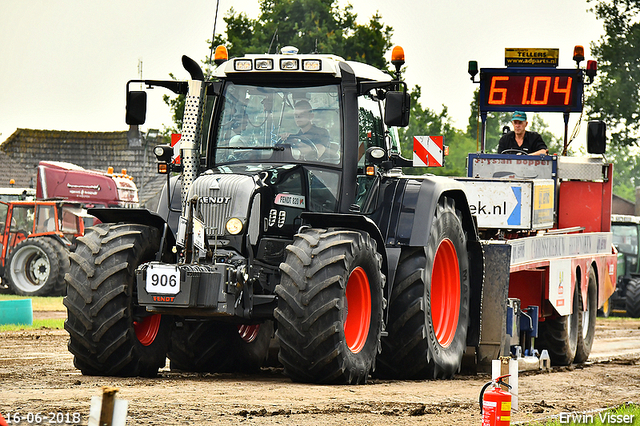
point(290, 223)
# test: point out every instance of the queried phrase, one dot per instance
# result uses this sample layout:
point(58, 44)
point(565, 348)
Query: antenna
point(140, 71)
point(213, 36)
point(275, 35)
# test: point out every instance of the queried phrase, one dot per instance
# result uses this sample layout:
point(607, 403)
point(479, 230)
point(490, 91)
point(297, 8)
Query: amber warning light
point(397, 58)
point(221, 55)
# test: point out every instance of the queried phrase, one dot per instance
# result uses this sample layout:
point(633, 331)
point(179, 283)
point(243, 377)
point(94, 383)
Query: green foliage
point(310, 25)
point(39, 303)
point(425, 122)
point(615, 96)
point(597, 418)
point(48, 324)
point(626, 170)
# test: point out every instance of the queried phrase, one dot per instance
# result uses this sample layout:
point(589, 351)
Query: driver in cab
point(303, 116)
point(519, 139)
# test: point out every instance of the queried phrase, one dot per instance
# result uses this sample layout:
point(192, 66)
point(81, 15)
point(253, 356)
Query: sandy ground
point(37, 375)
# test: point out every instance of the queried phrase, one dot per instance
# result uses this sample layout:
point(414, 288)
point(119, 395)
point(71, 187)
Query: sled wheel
point(587, 320)
point(423, 342)
point(559, 335)
point(330, 306)
point(109, 333)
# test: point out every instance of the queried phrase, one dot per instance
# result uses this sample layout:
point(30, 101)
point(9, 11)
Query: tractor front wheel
point(330, 306)
point(109, 334)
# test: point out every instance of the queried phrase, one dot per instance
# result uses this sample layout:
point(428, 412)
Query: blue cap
point(519, 116)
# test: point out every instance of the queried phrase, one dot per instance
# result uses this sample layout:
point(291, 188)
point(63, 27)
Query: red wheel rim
point(445, 293)
point(358, 301)
point(147, 330)
point(248, 333)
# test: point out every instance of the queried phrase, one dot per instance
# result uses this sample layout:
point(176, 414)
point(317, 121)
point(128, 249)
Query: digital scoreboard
point(531, 89)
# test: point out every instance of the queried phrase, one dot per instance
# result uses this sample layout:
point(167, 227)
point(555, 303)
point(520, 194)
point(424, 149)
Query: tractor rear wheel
point(36, 267)
point(109, 333)
point(330, 306)
point(632, 298)
point(218, 347)
point(587, 320)
point(559, 336)
point(429, 304)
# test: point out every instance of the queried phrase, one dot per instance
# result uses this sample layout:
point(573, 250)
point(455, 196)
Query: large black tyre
point(218, 347)
point(64, 264)
point(429, 304)
point(35, 268)
point(559, 335)
point(632, 298)
point(330, 306)
point(109, 334)
point(587, 320)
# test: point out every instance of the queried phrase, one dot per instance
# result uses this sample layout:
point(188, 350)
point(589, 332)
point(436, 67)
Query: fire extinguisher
point(495, 403)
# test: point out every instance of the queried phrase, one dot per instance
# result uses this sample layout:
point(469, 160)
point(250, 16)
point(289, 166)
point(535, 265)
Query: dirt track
point(37, 375)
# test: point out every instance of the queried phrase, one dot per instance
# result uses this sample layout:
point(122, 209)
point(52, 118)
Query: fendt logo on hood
point(214, 200)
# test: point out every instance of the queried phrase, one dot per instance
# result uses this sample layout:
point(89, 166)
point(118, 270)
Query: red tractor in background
point(35, 238)
point(94, 188)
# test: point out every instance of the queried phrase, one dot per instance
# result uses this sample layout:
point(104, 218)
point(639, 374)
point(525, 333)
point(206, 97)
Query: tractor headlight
point(234, 226)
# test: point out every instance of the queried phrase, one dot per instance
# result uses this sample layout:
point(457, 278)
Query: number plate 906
point(163, 279)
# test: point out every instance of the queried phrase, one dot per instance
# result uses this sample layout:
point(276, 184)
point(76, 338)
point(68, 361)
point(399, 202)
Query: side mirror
point(397, 107)
point(596, 137)
point(136, 107)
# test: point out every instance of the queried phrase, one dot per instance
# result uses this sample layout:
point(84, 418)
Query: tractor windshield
point(279, 124)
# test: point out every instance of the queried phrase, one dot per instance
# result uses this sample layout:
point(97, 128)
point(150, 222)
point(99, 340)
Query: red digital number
point(501, 91)
point(534, 91)
point(566, 90)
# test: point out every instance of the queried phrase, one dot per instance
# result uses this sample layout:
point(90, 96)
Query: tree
point(615, 96)
point(310, 25)
point(425, 122)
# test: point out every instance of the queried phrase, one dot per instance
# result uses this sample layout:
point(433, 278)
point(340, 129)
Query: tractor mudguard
point(405, 211)
point(139, 216)
point(353, 221)
point(421, 210)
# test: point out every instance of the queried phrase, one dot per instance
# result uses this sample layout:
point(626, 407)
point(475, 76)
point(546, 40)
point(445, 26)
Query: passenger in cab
point(520, 139)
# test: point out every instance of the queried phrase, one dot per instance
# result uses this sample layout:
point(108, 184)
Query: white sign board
point(560, 285)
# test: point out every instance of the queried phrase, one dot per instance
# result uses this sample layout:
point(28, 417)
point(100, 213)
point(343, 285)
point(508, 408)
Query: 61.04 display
point(531, 90)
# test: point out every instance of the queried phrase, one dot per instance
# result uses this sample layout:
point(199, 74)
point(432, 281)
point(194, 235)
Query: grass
point(598, 418)
point(52, 323)
point(38, 304)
